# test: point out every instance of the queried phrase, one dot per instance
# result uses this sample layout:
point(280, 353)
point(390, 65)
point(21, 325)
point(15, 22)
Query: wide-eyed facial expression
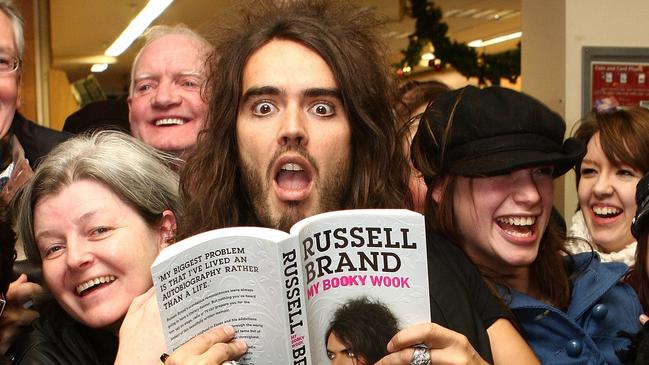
point(9, 82)
point(167, 106)
point(341, 354)
point(501, 219)
point(606, 193)
point(293, 135)
point(96, 251)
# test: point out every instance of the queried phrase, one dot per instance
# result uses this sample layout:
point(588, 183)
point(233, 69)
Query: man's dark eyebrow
point(316, 92)
point(257, 91)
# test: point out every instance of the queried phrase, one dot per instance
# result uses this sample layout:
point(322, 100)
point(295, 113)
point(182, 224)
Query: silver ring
point(420, 356)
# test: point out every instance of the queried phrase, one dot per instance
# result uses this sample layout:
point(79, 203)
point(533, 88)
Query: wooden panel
point(28, 92)
point(62, 102)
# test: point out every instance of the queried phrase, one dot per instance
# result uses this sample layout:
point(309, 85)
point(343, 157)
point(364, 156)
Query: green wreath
point(430, 29)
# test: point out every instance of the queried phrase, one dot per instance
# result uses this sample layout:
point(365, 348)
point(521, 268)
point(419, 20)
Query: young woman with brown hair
point(489, 158)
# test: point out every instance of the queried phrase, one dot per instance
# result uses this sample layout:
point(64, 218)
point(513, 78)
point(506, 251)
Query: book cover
point(280, 291)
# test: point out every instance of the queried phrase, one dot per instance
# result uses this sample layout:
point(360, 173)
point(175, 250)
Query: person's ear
point(167, 229)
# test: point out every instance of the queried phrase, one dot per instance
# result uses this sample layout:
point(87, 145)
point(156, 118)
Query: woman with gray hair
point(95, 215)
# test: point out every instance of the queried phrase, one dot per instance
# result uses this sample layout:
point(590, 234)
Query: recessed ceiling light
point(466, 13)
point(452, 12)
point(483, 14)
point(99, 67)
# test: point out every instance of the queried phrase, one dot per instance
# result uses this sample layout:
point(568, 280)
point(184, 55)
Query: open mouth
point(606, 212)
point(292, 176)
point(93, 284)
point(169, 121)
point(517, 226)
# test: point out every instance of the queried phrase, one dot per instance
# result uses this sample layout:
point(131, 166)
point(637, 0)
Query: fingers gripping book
point(280, 291)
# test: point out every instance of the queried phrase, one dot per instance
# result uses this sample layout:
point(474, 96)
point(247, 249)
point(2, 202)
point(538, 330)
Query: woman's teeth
point(92, 282)
point(517, 221)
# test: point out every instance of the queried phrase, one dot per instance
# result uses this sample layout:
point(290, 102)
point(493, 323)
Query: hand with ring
point(420, 356)
point(430, 343)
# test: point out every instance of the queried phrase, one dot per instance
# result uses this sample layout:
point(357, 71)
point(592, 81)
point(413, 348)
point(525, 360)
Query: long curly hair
point(346, 39)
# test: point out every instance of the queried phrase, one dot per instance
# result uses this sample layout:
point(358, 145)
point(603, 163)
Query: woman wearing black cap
point(489, 158)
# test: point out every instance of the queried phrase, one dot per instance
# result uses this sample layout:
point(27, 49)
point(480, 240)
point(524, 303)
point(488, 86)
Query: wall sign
point(614, 78)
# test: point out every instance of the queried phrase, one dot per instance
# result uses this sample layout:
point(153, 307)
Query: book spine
point(295, 300)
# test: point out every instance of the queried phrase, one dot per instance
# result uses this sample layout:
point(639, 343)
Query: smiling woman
point(95, 215)
point(617, 157)
point(489, 158)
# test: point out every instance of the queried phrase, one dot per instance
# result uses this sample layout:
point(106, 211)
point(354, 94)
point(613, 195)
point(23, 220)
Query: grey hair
point(17, 23)
point(158, 31)
point(137, 173)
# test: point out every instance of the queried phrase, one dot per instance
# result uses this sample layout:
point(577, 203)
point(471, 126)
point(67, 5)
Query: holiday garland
point(430, 29)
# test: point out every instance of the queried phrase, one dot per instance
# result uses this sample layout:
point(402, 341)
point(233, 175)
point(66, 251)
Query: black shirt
point(459, 298)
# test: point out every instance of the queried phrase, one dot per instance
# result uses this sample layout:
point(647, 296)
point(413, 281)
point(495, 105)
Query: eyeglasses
point(3, 302)
point(8, 64)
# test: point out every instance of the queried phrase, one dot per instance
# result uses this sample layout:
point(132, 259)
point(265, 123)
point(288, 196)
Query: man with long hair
point(285, 141)
point(300, 123)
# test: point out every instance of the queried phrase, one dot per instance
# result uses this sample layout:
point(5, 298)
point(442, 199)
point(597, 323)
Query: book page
point(375, 254)
point(228, 276)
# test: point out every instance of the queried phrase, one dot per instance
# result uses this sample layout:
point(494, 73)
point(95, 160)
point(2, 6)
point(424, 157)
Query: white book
point(280, 290)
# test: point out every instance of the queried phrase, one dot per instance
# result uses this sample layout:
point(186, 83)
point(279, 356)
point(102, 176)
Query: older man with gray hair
point(167, 103)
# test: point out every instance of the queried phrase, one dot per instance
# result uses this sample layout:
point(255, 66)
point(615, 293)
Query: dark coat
point(57, 339)
point(36, 140)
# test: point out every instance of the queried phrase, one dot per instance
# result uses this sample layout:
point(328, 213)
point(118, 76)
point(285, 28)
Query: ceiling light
point(99, 67)
point(483, 14)
point(466, 13)
point(480, 43)
point(452, 12)
point(505, 14)
point(151, 11)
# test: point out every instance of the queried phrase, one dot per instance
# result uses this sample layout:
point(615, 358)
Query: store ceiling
point(81, 29)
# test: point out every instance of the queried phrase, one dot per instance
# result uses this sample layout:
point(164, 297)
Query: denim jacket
point(588, 333)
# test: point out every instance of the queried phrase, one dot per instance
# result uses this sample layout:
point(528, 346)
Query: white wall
point(554, 32)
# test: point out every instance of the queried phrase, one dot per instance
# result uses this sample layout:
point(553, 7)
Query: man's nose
point(166, 95)
point(293, 129)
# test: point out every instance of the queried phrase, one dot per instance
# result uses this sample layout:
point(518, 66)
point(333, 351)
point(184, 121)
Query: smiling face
point(293, 135)
point(9, 83)
point(96, 251)
point(607, 198)
point(501, 219)
point(166, 107)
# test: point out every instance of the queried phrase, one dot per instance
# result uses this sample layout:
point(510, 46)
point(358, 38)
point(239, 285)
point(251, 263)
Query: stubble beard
point(332, 191)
